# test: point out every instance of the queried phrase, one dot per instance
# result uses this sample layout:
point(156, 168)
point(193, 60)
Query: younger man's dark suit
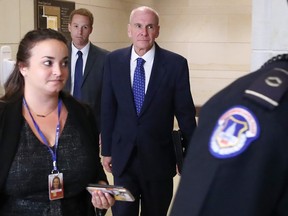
point(92, 79)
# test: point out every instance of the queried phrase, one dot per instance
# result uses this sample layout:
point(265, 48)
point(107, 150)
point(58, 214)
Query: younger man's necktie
point(78, 76)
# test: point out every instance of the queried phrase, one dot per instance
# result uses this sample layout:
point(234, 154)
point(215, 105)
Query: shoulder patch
point(233, 133)
point(268, 89)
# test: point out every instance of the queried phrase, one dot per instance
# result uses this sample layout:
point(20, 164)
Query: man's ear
point(129, 30)
point(158, 30)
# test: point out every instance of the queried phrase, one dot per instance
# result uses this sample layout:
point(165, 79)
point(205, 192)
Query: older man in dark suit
point(144, 87)
point(87, 85)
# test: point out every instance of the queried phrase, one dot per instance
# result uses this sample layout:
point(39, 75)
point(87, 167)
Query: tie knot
point(140, 61)
point(79, 53)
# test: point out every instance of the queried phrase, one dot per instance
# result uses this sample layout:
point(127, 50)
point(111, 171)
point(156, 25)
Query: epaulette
point(269, 88)
point(280, 57)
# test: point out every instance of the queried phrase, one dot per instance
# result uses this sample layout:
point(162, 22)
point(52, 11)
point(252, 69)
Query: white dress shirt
point(149, 59)
point(74, 57)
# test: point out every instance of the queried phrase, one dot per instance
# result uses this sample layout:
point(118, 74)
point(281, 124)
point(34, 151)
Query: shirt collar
point(149, 56)
point(84, 50)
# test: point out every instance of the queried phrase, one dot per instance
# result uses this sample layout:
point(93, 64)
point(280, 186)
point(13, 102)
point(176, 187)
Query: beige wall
point(215, 36)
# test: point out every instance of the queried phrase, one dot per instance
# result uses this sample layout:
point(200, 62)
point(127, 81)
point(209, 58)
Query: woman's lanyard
point(53, 153)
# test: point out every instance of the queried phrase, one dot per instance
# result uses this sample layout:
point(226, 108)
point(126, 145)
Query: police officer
point(237, 162)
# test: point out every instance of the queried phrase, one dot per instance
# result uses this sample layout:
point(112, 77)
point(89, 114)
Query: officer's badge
point(234, 132)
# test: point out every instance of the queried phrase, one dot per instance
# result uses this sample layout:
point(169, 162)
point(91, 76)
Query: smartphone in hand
point(119, 193)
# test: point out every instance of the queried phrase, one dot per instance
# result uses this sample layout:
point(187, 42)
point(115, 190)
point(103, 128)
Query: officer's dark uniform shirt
point(237, 162)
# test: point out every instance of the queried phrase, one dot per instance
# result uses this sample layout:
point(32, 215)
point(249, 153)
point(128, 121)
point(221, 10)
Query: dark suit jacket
point(92, 79)
point(168, 94)
point(11, 123)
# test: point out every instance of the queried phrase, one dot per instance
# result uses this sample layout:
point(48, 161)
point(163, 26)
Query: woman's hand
point(102, 200)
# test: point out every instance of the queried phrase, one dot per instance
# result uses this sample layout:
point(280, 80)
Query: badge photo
point(56, 188)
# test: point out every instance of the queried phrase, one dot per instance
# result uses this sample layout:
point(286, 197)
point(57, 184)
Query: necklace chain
point(41, 115)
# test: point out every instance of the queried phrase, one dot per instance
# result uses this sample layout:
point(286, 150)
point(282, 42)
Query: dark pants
point(153, 196)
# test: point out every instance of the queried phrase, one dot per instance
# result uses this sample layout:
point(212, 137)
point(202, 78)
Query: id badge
point(55, 186)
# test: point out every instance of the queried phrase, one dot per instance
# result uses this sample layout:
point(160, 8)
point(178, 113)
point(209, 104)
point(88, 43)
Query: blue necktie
point(78, 76)
point(139, 85)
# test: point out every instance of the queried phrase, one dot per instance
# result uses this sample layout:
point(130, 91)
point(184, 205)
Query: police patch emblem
point(234, 132)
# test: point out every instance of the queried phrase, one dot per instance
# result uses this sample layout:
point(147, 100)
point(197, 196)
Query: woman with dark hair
point(56, 183)
point(46, 133)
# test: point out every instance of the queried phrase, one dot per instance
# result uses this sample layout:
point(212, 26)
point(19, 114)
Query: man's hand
point(107, 163)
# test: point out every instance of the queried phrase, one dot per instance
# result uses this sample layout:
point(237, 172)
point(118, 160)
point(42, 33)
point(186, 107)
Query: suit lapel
point(91, 59)
point(157, 74)
point(124, 79)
